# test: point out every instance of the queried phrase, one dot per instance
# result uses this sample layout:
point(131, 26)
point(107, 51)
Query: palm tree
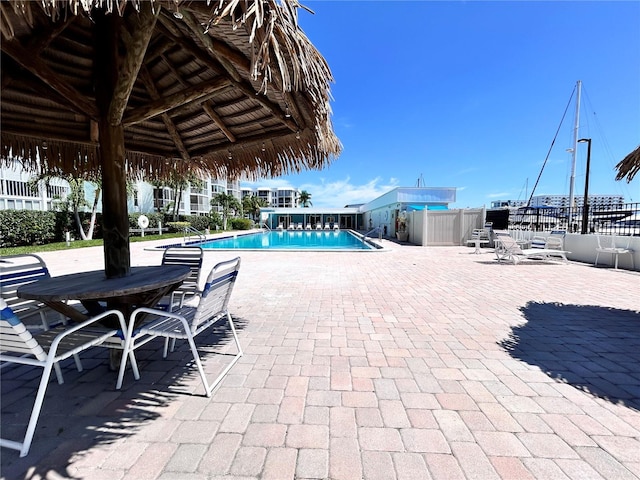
point(227, 202)
point(251, 205)
point(76, 199)
point(305, 198)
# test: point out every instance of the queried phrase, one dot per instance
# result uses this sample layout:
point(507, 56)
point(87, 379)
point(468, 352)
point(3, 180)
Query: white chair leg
point(56, 367)
point(76, 358)
point(127, 352)
point(35, 413)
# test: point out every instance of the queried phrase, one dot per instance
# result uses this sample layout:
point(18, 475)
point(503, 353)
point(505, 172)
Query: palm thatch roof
point(629, 165)
point(224, 87)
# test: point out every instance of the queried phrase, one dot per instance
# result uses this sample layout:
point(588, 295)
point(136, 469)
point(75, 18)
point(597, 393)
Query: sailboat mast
point(574, 149)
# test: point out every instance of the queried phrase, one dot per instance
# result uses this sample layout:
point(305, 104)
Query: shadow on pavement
point(593, 348)
point(87, 411)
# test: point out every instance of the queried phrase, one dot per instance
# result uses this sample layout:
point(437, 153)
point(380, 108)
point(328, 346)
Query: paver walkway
point(415, 363)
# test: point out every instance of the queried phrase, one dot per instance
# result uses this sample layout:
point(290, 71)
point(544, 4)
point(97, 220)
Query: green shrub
point(178, 226)
point(200, 222)
point(241, 224)
point(26, 227)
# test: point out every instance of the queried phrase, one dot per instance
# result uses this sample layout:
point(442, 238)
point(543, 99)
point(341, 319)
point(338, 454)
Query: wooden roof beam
point(242, 86)
point(168, 123)
point(219, 122)
point(165, 104)
point(136, 43)
point(29, 59)
point(197, 29)
point(206, 107)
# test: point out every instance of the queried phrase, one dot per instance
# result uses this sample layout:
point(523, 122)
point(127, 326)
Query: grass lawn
point(79, 244)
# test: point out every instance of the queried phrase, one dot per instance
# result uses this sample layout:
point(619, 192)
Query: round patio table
point(143, 287)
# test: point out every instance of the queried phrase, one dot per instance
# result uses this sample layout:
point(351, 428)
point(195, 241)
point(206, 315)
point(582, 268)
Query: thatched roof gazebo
point(629, 166)
point(134, 89)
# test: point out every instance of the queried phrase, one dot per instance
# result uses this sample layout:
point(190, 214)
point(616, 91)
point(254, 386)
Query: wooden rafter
point(30, 60)
point(136, 43)
point(165, 104)
point(243, 86)
point(168, 123)
point(207, 41)
point(219, 122)
point(205, 105)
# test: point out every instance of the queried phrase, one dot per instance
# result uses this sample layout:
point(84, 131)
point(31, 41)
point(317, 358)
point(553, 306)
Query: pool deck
point(413, 363)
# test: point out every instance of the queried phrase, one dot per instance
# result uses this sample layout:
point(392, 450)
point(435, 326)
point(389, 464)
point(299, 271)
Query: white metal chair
point(192, 257)
point(19, 270)
point(47, 350)
point(607, 244)
point(187, 322)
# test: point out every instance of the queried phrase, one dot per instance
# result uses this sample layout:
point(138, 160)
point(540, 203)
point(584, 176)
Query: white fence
point(454, 227)
point(443, 227)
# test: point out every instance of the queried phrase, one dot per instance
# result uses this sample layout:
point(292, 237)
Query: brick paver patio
point(414, 363)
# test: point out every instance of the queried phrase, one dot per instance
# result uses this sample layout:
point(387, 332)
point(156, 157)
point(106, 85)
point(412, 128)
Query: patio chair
point(336, 226)
point(19, 270)
point(299, 226)
point(508, 249)
point(479, 236)
point(47, 350)
point(308, 226)
point(187, 322)
point(327, 226)
point(192, 257)
point(318, 226)
point(292, 226)
point(607, 244)
point(280, 227)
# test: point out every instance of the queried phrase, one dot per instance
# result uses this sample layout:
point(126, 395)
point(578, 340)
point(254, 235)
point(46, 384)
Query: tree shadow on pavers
point(595, 349)
point(85, 420)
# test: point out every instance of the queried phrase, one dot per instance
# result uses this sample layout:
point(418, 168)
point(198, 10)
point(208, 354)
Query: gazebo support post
point(114, 83)
point(115, 216)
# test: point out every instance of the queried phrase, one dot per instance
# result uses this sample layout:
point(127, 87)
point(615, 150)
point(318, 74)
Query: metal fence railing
point(623, 219)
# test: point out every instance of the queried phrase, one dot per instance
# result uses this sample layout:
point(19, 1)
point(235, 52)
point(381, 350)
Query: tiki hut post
point(128, 90)
point(114, 82)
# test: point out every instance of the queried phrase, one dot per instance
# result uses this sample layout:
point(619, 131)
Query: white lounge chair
point(187, 322)
point(299, 226)
point(508, 249)
point(280, 227)
point(307, 226)
point(46, 350)
point(327, 226)
point(292, 226)
point(607, 244)
point(318, 226)
point(336, 226)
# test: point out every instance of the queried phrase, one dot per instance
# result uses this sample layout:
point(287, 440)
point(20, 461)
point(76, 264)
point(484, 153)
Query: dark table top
point(94, 285)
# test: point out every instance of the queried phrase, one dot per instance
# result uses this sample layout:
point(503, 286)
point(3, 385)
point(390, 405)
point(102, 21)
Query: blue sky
point(471, 94)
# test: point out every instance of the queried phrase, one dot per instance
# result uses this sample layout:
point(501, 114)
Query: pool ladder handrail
point(374, 230)
point(187, 234)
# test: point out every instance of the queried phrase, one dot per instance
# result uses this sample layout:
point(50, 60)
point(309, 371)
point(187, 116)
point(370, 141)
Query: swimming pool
point(291, 240)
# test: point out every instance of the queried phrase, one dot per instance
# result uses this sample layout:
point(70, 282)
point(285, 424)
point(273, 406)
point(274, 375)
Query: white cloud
point(334, 194)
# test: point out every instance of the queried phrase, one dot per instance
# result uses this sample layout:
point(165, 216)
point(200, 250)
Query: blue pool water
point(291, 240)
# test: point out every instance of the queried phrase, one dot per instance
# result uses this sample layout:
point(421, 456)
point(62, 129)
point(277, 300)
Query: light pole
point(585, 203)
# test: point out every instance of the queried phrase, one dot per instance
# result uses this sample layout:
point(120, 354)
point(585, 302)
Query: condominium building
point(19, 191)
point(562, 201)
